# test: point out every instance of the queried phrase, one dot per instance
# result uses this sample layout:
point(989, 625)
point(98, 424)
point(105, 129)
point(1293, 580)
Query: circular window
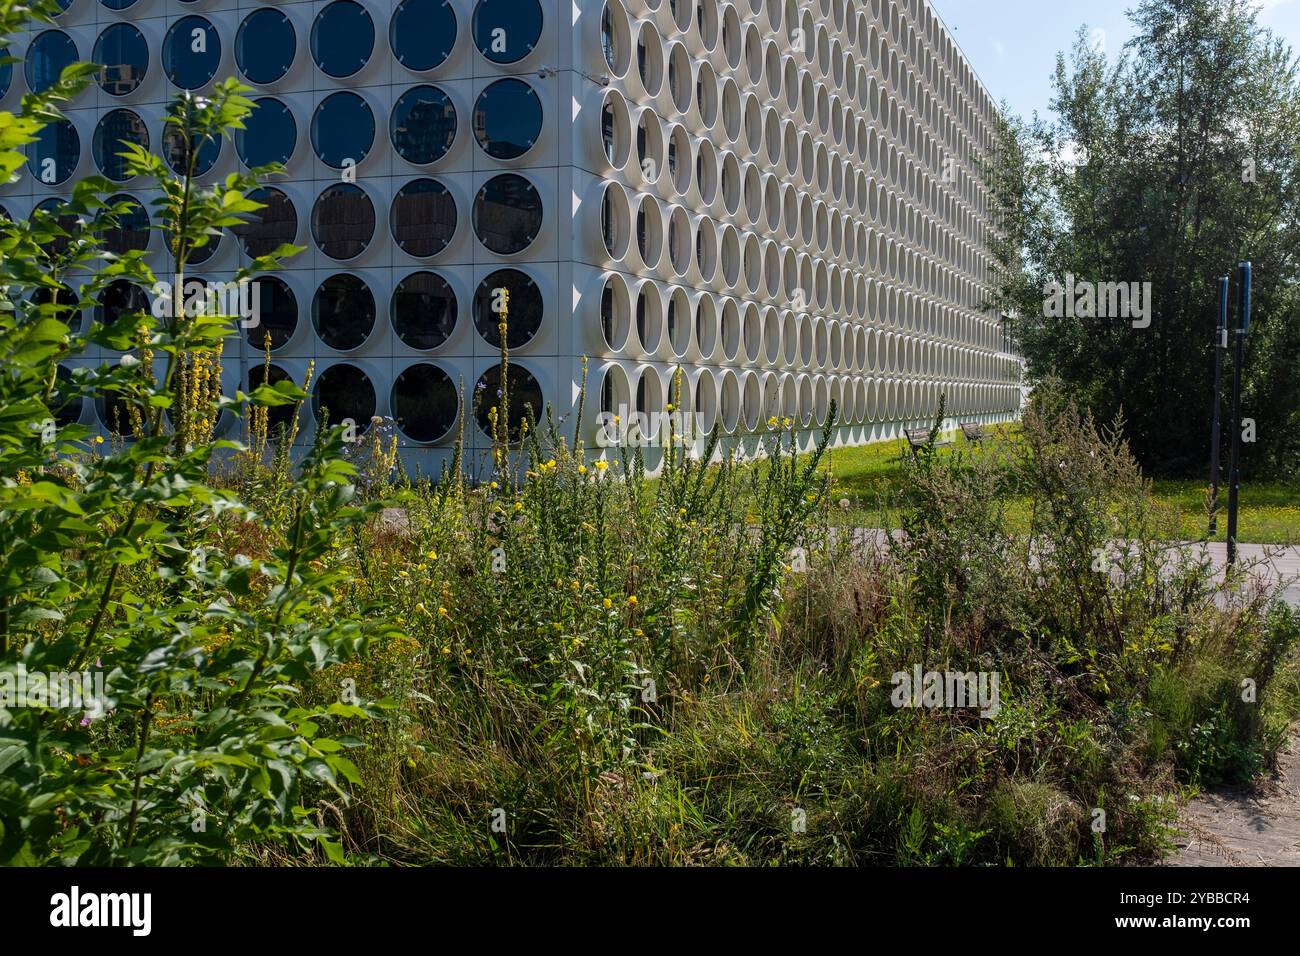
point(53, 156)
point(343, 221)
point(270, 227)
point(507, 119)
point(46, 58)
point(130, 233)
point(6, 73)
point(276, 312)
point(423, 125)
point(423, 218)
point(117, 4)
point(423, 310)
point(278, 417)
point(118, 415)
point(265, 45)
point(119, 298)
point(511, 289)
point(506, 31)
point(176, 149)
point(123, 56)
point(198, 254)
point(342, 130)
point(344, 394)
point(507, 214)
point(422, 33)
point(525, 398)
point(191, 52)
point(66, 222)
point(614, 40)
point(269, 135)
point(343, 311)
point(115, 130)
point(424, 402)
point(342, 38)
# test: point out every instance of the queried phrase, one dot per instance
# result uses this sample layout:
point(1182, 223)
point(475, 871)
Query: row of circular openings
point(507, 217)
point(722, 255)
point(741, 401)
point(646, 321)
point(769, 65)
point(342, 134)
point(421, 35)
point(657, 152)
point(767, 199)
point(424, 402)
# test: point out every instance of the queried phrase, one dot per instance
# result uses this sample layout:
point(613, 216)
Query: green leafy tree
point(1168, 165)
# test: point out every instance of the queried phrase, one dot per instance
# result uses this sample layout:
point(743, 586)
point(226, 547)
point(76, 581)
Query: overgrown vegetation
point(310, 658)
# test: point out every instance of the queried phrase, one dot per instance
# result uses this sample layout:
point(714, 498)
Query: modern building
point(779, 199)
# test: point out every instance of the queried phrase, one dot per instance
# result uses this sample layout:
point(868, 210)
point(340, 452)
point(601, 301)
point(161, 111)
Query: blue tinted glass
point(422, 33)
point(423, 125)
point(506, 31)
point(47, 57)
point(53, 157)
point(342, 38)
point(269, 134)
point(423, 218)
point(507, 119)
point(342, 129)
point(344, 392)
point(69, 222)
point(115, 129)
point(123, 53)
point(117, 4)
point(6, 72)
point(191, 52)
point(265, 45)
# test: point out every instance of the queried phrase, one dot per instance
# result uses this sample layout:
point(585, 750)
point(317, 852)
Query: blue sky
point(1012, 44)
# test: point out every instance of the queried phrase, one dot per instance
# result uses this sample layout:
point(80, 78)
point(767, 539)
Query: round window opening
point(423, 310)
point(130, 231)
point(423, 218)
point(47, 56)
point(507, 119)
point(342, 130)
point(123, 55)
point(269, 135)
point(506, 31)
point(343, 311)
point(270, 227)
point(518, 294)
point(265, 45)
point(344, 395)
point(422, 33)
point(191, 52)
point(525, 399)
point(425, 403)
point(343, 221)
point(116, 130)
point(342, 38)
point(53, 156)
point(507, 214)
point(423, 125)
point(276, 313)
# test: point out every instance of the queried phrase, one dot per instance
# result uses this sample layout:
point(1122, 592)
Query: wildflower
point(442, 612)
point(402, 574)
point(432, 555)
point(608, 604)
point(602, 465)
point(519, 506)
point(494, 486)
point(582, 469)
point(446, 650)
point(419, 606)
point(773, 422)
point(631, 600)
point(99, 439)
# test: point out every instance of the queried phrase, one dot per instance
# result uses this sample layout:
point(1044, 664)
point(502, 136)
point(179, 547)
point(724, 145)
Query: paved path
point(1255, 825)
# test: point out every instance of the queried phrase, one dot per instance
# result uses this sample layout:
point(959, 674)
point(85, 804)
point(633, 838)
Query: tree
point(1167, 166)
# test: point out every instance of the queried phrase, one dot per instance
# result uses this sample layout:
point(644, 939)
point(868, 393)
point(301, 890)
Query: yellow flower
point(442, 612)
point(519, 506)
point(608, 604)
point(99, 439)
point(402, 574)
point(582, 469)
point(602, 465)
point(446, 650)
point(419, 606)
point(631, 600)
point(494, 486)
point(432, 555)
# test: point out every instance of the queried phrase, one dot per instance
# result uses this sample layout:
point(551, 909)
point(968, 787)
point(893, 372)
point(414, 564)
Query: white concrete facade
point(780, 199)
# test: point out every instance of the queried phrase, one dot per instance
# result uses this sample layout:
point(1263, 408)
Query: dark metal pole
point(1216, 435)
point(1234, 464)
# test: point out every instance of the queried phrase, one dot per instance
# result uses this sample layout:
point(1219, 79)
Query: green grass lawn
point(1270, 511)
